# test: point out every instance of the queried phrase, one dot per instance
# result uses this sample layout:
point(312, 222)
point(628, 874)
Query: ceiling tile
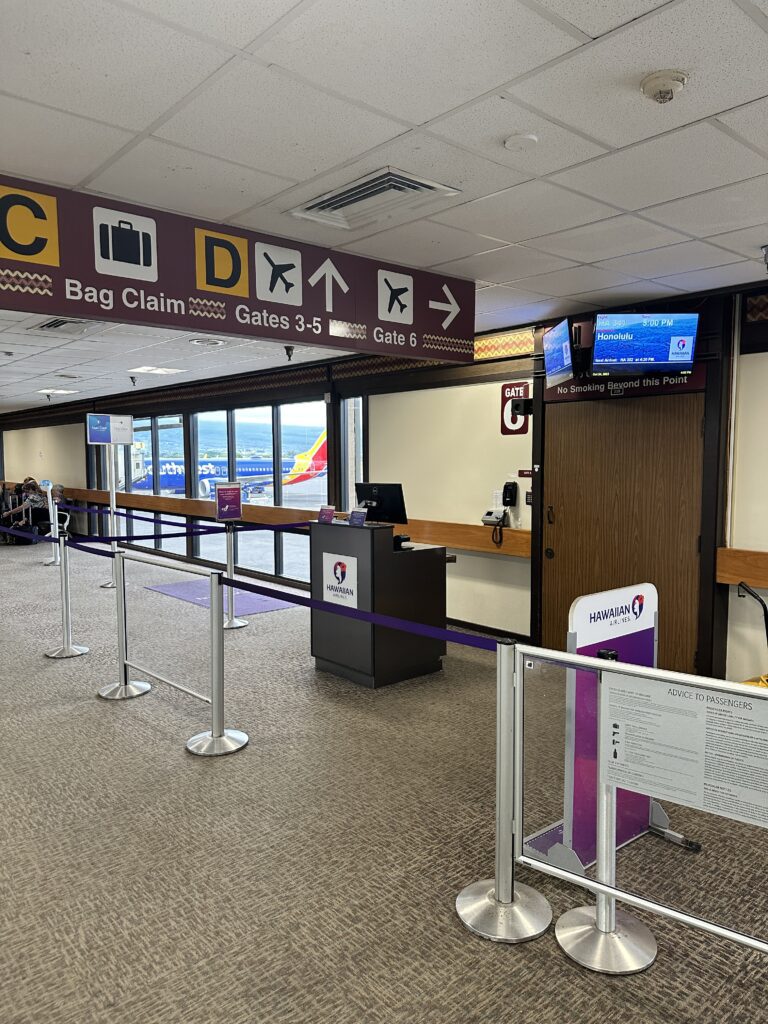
point(12, 314)
point(750, 122)
point(597, 89)
point(711, 213)
point(99, 60)
point(533, 208)
point(159, 174)
point(718, 277)
point(575, 280)
point(747, 242)
point(260, 118)
point(629, 294)
point(520, 316)
point(595, 17)
point(431, 56)
point(691, 160)
point(422, 244)
point(671, 259)
point(488, 300)
point(511, 263)
point(606, 238)
point(236, 22)
point(485, 125)
point(52, 146)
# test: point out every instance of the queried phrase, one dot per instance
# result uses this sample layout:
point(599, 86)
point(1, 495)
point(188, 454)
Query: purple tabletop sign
point(325, 515)
point(357, 516)
point(229, 502)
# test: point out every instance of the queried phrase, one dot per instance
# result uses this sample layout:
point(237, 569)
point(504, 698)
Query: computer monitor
point(634, 343)
point(557, 354)
point(385, 502)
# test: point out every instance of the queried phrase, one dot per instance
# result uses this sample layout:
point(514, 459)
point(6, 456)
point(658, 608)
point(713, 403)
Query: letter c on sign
point(7, 203)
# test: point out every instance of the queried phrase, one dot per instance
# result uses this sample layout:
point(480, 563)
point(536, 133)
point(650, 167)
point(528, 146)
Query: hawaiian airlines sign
point(340, 579)
point(71, 254)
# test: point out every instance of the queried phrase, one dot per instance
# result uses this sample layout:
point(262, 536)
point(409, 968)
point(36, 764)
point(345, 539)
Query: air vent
point(367, 200)
point(66, 327)
point(66, 376)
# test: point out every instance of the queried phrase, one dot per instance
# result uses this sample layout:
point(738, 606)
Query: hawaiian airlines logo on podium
point(638, 601)
point(340, 579)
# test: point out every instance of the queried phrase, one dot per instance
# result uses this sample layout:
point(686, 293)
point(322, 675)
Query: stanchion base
point(73, 651)
point(124, 691)
point(235, 623)
point(527, 917)
point(109, 585)
point(628, 950)
point(207, 745)
point(52, 561)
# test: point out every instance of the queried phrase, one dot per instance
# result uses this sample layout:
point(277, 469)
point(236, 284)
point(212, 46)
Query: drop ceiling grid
point(267, 43)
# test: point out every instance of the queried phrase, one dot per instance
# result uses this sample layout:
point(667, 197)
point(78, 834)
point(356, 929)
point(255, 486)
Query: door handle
point(550, 514)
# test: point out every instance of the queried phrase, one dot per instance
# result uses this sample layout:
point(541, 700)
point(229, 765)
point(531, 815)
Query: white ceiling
point(243, 110)
point(99, 362)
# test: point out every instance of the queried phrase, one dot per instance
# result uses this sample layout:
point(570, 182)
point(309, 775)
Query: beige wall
point(747, 651)
point(52, 453)
point(445, 446)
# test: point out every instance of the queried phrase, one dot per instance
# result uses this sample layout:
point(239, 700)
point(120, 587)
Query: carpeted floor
point(309, 879)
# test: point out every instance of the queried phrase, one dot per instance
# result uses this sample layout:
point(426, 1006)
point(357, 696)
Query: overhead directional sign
point(70, 254)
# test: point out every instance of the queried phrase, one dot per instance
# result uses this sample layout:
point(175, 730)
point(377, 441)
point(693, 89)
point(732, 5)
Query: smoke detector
point(207, 342)
point(523, 142)
point(663, 86)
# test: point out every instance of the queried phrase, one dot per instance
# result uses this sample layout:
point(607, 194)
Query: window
point(303, 476)
point(212, 451)
point(304, 454)
point(170, 441)
point(176, 544)
point(351, 449)
point(254, 468)
point(143, 468)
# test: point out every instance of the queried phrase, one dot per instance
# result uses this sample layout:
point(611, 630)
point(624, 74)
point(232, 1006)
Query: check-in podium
point(409, 584)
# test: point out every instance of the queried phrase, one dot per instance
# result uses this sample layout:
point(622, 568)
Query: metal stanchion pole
point(125, 687)
point(498, 908)
point(53, 515)
point(219, 740)
point(602, 938)
point(232, 622)
point(112, 485)
point(67, 649)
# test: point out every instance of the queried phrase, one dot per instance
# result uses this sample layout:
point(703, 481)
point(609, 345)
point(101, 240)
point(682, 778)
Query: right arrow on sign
point(328, 271)
point(451, 306)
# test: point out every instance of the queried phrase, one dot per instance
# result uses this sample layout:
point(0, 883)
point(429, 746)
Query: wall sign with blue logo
point(340, 579)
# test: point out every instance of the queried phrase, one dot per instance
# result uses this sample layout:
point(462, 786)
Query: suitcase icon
point(123, 243)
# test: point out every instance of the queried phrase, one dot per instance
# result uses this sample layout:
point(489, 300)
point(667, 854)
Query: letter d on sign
point(221, 263)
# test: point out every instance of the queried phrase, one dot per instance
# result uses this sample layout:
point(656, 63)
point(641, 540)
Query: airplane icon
point(274, 269)
point(394, 296)
point(279, 270)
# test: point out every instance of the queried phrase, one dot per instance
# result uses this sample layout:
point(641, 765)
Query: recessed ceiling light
point(207, 342)
point(154, 369)
point(56, 391)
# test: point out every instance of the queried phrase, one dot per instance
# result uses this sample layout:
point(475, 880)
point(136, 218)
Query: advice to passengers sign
point(71, 254)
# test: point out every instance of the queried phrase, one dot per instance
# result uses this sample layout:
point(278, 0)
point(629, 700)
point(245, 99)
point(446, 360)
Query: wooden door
point(622, 505)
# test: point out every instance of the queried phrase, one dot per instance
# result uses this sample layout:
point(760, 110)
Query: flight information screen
point(557, 354)
point(642, 342)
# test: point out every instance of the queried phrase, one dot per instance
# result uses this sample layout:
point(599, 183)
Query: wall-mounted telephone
point(509, 494)
point(498, 518)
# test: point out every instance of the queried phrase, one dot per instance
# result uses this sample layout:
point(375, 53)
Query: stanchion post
point(602, 938)
point(231, 621)
point(498, 908)
point(219, 740)
point(53, 515)
point(124, 688)
point(67, 649)
point(111, 458)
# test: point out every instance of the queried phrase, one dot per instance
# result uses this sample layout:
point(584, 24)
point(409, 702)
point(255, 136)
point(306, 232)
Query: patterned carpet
point(309, 879)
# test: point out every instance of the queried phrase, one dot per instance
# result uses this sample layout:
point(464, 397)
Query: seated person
point(33, 508)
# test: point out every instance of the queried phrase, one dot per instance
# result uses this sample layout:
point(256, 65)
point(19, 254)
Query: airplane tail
point(288, 285)
point(310, 464)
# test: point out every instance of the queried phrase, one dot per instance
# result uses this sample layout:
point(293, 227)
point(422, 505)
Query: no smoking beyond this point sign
point(513, 418)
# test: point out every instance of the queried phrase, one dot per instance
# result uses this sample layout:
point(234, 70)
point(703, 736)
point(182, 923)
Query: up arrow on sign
point(451, 306)
point(328, 271)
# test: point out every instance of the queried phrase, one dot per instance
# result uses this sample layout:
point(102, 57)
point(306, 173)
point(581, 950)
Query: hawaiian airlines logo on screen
point(340, 572)
point(638, 602)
